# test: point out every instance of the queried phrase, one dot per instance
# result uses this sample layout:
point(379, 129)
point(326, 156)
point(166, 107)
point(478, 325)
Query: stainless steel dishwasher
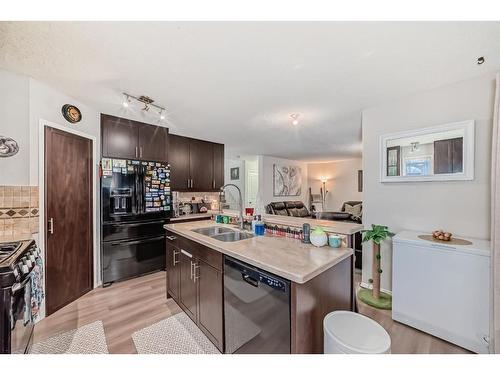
point(257, 310)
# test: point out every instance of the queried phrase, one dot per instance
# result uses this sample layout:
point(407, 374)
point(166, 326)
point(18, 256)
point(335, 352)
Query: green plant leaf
point(377, 234)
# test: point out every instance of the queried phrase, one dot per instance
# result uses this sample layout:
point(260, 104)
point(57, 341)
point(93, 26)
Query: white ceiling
point(238, 82)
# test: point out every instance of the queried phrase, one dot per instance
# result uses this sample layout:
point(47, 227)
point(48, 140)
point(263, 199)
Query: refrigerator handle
point(141, 188)
point(136, 186)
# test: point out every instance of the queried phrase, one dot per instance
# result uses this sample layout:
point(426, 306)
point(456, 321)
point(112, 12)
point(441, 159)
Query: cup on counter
point(218, 219)
point(225, 219)
point(334, 240)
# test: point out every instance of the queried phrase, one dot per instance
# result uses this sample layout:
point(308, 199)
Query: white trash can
point(348, 332)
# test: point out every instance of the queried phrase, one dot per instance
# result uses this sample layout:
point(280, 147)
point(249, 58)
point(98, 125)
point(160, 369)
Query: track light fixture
point(126, 101)
point(146, 101)
point(295, 118)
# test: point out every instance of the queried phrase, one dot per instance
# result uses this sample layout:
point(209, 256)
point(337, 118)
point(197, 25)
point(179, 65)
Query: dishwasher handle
point(250, 280)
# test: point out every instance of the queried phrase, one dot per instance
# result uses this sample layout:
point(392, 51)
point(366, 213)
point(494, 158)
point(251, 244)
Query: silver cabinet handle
point(213, 184)
point(140, 152)
point(51, 226)
point(171, 238)
point(175, 261)
point(135, 151)
point(196, 275)
point(192, 264)
point(186, 253)
point(188, 183)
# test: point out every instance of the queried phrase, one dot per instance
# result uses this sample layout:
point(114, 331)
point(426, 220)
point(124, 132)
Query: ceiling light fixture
point(295, 118)
point(146, 100)
point(126, 100)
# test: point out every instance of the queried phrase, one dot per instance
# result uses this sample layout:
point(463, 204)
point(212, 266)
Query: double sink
point(223, 234)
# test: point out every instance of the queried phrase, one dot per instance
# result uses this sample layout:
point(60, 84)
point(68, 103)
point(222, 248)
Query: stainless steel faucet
point(240, 201)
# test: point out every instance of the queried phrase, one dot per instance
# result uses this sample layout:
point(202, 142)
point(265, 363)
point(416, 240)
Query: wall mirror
point(438, 153)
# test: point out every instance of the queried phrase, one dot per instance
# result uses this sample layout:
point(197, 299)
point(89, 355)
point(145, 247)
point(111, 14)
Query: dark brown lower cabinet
point(195, 282)
point(173, 269)
point(188, 287)
point(211, 302)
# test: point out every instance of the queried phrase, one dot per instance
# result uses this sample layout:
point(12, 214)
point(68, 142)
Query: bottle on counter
point(259, 226)
point(254, 221)
point(306, 230)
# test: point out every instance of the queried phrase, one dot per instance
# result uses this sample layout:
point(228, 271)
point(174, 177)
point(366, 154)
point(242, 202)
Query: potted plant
point(377, 299)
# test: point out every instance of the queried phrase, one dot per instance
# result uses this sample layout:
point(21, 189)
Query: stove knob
point(24, 269)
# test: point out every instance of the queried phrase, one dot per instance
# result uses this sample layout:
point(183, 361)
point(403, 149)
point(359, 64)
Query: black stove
point(17, 260)
point(7, 249)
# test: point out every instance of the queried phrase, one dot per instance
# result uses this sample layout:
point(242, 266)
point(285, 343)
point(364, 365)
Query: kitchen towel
point(37, 293)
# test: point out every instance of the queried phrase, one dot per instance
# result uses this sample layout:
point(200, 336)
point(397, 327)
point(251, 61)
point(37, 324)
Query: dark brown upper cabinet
point(196, 165)
point(448, 156)
point(179, 163)
point(153, 142)
point(201, 168)
point(218, 151)
point(128, 139)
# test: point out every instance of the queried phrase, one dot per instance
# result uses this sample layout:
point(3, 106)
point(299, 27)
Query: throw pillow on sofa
point(354, 211)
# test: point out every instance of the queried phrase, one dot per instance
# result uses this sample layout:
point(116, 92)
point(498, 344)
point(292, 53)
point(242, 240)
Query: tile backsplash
point(208, 197)
point(19, 212)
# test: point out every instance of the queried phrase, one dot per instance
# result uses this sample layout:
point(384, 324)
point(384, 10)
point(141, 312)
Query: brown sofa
point(288, 208)
point(341, 215)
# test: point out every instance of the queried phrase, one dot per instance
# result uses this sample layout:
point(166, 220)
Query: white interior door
point(252, 186)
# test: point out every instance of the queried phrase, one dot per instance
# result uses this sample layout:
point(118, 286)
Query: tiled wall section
point(208, 197)
point(19, 211)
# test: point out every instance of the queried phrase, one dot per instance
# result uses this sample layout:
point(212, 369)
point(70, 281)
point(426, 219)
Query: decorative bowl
point(318, 237)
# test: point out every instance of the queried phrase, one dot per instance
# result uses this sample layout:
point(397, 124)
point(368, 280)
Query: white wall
point(46, 103)
point(231, 193)
point(461, 207)
point(342, 184)
point(14, 123)
point(265, 195)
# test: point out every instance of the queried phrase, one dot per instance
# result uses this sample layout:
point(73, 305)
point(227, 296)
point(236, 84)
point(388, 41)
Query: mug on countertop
point(334, 240)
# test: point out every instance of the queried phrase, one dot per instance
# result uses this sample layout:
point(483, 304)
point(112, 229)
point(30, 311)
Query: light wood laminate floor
point(405, 339)
point(123, 307)
point(131, 305)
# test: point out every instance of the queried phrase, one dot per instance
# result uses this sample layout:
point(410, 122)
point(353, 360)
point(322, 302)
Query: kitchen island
point(320, 279)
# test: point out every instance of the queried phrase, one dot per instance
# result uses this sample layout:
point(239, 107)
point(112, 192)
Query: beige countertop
point(285, 257)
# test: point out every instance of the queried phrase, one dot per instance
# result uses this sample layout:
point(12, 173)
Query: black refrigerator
point(135, 204)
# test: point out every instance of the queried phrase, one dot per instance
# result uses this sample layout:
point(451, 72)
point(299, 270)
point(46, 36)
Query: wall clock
point(8, 147)
point(71, 113)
